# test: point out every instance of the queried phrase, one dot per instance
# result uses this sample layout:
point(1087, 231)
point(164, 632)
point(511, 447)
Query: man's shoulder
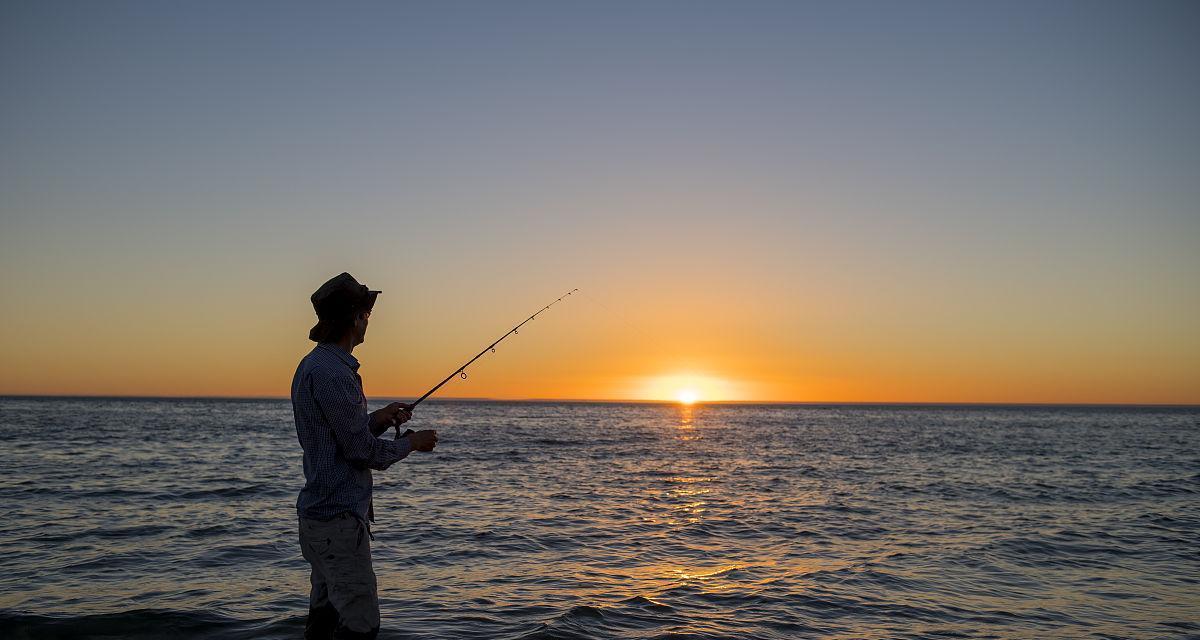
point(322, 365)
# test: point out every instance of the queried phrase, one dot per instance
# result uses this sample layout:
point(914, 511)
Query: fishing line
point(462, 371)
point(620, 318)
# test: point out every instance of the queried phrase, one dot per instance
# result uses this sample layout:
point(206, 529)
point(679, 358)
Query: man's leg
point(352, 585)
point(340, 551)
point(322, 617)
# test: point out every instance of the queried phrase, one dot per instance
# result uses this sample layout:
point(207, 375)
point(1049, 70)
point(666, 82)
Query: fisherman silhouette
point(341, 446)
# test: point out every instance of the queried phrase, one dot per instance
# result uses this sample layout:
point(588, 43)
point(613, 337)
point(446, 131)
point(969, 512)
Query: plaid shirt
point(334, 429)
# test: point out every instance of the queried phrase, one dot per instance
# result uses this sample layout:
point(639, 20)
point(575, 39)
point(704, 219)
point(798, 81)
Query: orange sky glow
point(586, 348)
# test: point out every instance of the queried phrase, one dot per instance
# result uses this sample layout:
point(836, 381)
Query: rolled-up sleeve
point(341, 401)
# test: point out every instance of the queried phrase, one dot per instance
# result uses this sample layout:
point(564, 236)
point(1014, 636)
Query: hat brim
point(322, 331)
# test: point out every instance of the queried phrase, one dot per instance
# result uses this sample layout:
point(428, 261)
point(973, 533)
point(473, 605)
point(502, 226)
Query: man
point(341, 445)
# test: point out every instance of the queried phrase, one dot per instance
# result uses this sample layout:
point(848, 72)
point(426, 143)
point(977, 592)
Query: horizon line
point(915, 403)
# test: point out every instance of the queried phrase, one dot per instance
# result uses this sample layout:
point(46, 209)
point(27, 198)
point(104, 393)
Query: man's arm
point(341, 402)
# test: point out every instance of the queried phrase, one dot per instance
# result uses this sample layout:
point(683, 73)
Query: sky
point(759, 201)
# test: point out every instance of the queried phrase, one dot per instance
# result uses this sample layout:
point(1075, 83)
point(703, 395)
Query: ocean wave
point(145, 624)
point(234, 491)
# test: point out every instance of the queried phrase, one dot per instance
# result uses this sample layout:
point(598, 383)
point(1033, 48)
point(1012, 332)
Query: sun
point(686, 388)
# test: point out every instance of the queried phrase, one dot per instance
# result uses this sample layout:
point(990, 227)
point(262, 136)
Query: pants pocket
point(320, 546)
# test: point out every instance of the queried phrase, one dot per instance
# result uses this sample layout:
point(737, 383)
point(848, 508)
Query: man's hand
point(393, 415)
point(424, 440)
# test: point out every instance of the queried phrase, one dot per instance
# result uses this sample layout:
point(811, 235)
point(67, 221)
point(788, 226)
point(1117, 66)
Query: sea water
point(127, 518)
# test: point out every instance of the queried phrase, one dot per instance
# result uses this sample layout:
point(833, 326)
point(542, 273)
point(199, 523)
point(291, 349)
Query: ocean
point(168, 518)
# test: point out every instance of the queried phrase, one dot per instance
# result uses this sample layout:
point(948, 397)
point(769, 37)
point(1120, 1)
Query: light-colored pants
point(339, 551)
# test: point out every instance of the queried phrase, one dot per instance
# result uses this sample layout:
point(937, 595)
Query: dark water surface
point(175, 518)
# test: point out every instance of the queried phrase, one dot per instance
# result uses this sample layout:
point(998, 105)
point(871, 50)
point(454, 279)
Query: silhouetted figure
point(341, 445)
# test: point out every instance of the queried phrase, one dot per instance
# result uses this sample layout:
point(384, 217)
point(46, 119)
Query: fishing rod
point(462, 371)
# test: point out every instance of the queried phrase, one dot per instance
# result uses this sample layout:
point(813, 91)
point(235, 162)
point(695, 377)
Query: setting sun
point(687, 388)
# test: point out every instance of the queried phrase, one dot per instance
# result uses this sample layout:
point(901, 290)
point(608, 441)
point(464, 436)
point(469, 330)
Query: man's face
point(360, 326)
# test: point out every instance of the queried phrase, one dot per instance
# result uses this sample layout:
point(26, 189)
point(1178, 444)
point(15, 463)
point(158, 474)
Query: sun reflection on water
point(686, 426)
point(717, 576)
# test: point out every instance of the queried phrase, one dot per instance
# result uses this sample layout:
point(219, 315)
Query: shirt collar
point(345, 357)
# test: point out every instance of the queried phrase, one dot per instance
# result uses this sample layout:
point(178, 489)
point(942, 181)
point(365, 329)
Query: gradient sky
point(879, 201)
